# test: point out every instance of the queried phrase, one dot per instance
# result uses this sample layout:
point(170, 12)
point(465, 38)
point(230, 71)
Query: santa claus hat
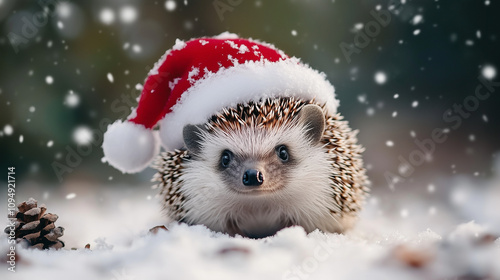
point(196, 79)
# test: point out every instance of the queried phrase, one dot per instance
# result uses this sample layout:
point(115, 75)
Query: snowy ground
point(403, 234)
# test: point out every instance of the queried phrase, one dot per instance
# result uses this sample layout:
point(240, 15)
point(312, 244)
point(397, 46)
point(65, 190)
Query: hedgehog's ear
point(313, 118)
point(192, 137)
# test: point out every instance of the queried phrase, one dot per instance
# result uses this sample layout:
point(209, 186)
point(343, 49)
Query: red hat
point(196, 79)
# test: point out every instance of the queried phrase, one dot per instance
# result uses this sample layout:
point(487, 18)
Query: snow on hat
point(196, 79)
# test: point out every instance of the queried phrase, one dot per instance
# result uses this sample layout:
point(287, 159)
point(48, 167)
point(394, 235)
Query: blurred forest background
point(65, 65)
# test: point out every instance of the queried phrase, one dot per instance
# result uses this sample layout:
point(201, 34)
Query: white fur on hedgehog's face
point(258, 173)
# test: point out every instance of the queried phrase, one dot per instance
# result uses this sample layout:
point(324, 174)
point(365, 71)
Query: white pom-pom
point(130, 147)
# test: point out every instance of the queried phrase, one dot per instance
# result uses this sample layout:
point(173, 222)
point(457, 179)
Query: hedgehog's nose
point(253, 178)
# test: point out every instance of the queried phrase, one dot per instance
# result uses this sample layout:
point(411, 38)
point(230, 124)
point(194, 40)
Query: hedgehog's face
point(252, 173)
point(258, 160)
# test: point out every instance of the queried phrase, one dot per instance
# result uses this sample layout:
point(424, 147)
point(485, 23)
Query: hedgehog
point(262, 166)
point(252, 137)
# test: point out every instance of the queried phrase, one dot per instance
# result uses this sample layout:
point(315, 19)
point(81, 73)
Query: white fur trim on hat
point(249, 81)
point(130, 147)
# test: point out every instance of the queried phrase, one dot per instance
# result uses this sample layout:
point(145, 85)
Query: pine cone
point(34, 228)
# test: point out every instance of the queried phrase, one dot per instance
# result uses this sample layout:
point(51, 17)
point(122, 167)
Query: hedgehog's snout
point(253, 178)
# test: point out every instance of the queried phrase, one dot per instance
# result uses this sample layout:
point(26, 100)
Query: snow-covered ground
point(403, 234)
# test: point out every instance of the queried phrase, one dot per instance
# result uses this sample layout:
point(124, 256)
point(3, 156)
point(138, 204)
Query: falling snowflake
point(8, 130)
point(70, 196)
point(136, 48)
point(128, 14)
point(82, 135)
point(489, 72)
point(370, 111)
point(362, 98)
point(32, 109)
point(50, 143)
point(380, 78)
point(72, 99)
point(110, 77)
point(170, 5)
point(49, 80)
point(389, 143)
point(294, 33)
point(107, 16)
point(414, 104)
point(416, 19)
point(416, 32)
point(21, 138)
point(63, 10)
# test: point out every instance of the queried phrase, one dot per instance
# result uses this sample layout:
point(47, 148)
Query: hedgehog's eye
point(225, 159)
point(282, 153)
